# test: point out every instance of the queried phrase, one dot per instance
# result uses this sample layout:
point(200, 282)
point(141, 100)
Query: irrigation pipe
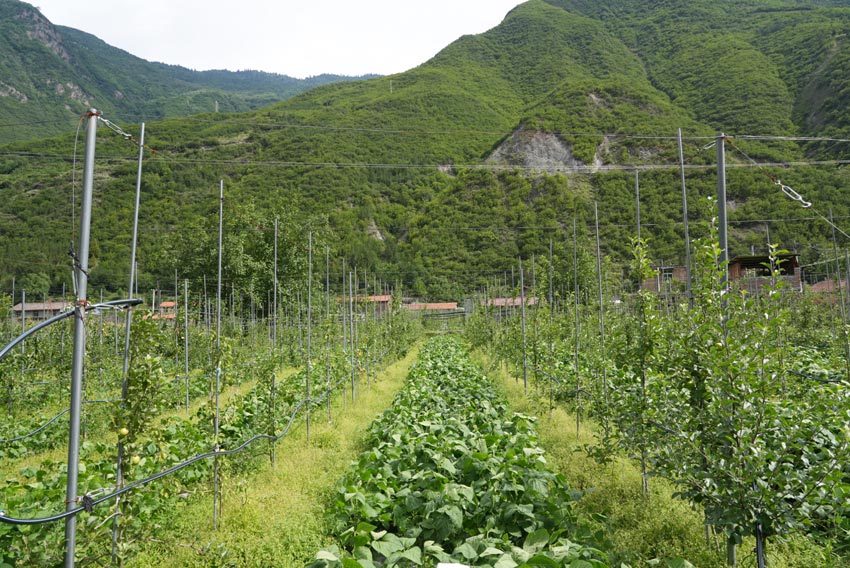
point(89, 503)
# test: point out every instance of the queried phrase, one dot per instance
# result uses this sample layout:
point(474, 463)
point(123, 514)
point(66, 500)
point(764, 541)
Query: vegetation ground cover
point(277, 517)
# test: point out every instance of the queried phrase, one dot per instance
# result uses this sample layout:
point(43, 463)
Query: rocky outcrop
point(41, 30)
point(535, 150)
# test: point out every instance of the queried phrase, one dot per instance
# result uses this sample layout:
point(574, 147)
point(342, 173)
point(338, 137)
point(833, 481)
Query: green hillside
point(440, 177)
point(50, 74)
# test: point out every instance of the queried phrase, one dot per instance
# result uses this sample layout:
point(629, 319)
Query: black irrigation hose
point(57, 318)
point(37, 430)
point(51, 421)
point(817, 378)
point(90, 503)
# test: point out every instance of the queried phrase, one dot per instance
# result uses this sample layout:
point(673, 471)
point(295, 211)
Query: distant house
point(754, 271)
point(436, 310)
point(166, 311)
point(39, 311)
point(510, 302)
point(750, 272)
point(381, 303)
point(666, 277)
point(432, 307)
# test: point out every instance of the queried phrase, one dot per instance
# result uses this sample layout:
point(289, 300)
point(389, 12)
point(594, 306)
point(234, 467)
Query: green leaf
point(542, 561)
point(454, 514)
point(677, 563)
point(506, 561)
point(321, 555)
point(536, 541)
point(387, 545)
point(467, 551)
point(413, 554)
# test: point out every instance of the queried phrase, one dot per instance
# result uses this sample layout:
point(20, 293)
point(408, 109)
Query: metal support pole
point(351, 331)
point(721, 206)
point(328, 324)
point(344, 313)
point(309, 324)
point(637, 204)
point(186, 337)
point(274, 292)
point(685, 220)
point(81, 267)
point(216, 500)
point(522, 303)
point(575, 354)
point(601, 313)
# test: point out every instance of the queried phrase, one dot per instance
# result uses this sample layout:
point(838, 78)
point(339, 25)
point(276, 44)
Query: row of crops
point(171, 453)
point(737, 397)
point(452, 476)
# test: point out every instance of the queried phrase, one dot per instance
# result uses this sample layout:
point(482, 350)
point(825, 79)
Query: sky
point(299, 38)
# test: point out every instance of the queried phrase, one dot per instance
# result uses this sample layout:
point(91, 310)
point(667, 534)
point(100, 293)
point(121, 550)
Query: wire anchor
point(790, 192)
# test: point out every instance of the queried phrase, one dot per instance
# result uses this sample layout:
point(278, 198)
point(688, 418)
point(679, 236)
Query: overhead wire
point(788, 191)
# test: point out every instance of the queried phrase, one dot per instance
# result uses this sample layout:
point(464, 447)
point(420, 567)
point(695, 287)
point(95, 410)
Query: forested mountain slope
point(50, 74)
point(440, 177)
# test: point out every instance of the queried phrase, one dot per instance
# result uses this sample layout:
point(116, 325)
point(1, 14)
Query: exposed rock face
point(535, 150)
point(40, 29)
point(10, 91)
point(373, 231)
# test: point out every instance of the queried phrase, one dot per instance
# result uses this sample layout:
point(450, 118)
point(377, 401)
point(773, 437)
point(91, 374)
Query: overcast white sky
point(295, 37)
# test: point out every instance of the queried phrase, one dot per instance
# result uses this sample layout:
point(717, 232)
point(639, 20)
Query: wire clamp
point(88, 503)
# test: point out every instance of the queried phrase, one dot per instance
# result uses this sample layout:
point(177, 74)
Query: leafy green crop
point(451, 476)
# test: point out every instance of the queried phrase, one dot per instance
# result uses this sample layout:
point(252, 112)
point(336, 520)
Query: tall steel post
point(721, 206)
point(524, 354)
point(309, 326)
point(81, 268)
point(216, 499)
point(119, 476)
point(637, 202)
point(685, 220)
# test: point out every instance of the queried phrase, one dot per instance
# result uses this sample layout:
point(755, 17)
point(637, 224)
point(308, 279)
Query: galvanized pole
point(551, 326)
point(601, 312)
point(575, 354)
point(351, 334)
point(685, 220)
point(721, 206)
point(81, 267)
point(522, 303)
point(309, 323)
point(637, 203)
point(216, 503)
point(344, 312)
point(840, 296)
point(328, 324)
point(186, 337)
point(274, 293)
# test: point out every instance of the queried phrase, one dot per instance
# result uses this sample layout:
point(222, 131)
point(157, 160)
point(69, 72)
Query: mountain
point(442, 176)
point(49, 75)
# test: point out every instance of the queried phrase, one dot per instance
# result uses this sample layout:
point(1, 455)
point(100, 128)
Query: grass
point(277, 517)
point(638, 530)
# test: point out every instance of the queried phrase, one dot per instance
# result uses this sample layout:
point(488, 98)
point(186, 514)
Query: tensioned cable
point(89, 503)
point(788, 191)
point(587, 169)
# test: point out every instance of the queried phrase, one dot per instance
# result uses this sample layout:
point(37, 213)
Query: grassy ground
point(277, 518)
point(639, 529)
